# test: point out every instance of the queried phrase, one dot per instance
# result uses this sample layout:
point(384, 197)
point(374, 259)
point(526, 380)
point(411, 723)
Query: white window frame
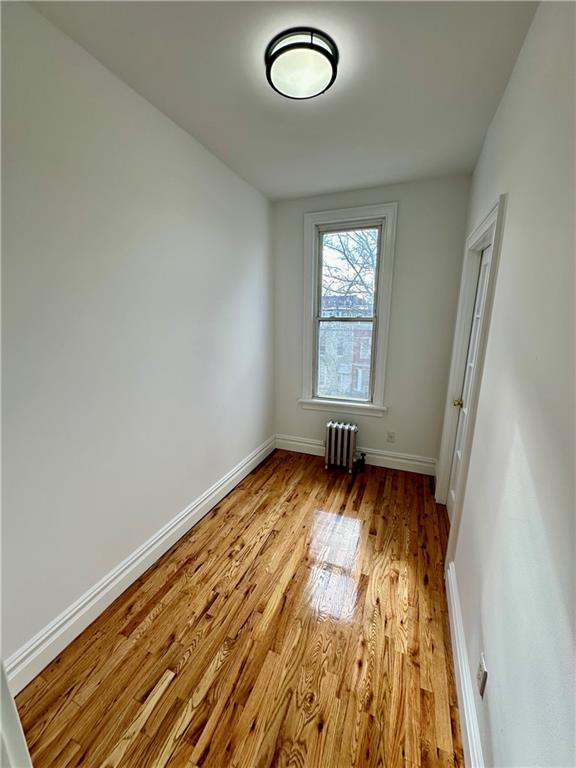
point(385, 214)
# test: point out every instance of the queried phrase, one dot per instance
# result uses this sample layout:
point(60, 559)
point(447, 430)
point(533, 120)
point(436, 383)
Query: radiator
point(340, 444)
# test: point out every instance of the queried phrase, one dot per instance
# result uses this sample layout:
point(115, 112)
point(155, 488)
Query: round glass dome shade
point(301, 73)
point(301, 63)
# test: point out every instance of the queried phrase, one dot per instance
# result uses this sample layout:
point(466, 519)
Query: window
point(358, 378)
point(346, 309)
point(365, 348)
point(349, 258)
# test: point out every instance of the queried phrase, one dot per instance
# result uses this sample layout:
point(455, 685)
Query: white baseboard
point(300, 444)
point(405, 461)
point(23, 665)
point(473, 757)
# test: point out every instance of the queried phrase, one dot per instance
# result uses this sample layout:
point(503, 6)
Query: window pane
point(344, 360)
point(348, 262)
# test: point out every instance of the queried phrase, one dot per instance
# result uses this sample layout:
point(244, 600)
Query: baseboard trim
point(473, 757)
point(390, 459)
point(29, 660)
point(300, 444)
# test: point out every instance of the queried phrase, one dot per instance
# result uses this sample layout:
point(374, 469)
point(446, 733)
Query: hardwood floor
point(303, 622)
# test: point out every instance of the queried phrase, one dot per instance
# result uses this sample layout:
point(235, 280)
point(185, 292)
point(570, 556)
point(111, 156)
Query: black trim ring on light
point(329, 50)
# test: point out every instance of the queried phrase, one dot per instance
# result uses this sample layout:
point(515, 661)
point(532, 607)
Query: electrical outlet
point(390, 437)
point(482, 675)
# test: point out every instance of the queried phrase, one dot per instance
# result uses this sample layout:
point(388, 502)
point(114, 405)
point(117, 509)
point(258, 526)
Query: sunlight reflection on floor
point(332, 589)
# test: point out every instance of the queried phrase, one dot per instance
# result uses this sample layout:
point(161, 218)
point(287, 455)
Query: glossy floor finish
point(302, 623)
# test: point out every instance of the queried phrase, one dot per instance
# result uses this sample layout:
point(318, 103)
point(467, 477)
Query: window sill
point(336, 406)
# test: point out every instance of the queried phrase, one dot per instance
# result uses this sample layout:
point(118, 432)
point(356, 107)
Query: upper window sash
point(320, 232)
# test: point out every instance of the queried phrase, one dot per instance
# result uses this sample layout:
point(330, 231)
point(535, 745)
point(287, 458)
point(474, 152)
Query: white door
point(469, 384)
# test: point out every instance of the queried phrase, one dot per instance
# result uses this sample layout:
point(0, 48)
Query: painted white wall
point(137, 290)
point(429, 245)
point(515, 551)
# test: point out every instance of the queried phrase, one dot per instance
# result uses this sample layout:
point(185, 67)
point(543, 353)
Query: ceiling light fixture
point(301, 63)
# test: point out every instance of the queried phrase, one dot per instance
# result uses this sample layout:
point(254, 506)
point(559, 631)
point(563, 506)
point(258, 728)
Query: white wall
point(515, 552)
point(429, 246)
point(137, 290)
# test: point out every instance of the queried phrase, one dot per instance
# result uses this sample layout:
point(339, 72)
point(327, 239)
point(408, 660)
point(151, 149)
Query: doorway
point(477, 287)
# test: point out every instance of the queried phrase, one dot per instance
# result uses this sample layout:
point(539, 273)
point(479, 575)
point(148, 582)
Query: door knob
point(458, 403)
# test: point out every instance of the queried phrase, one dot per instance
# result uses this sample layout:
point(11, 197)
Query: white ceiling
point(417, 87)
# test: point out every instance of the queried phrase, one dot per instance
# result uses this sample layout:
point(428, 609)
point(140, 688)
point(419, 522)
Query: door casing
point(488, 232)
